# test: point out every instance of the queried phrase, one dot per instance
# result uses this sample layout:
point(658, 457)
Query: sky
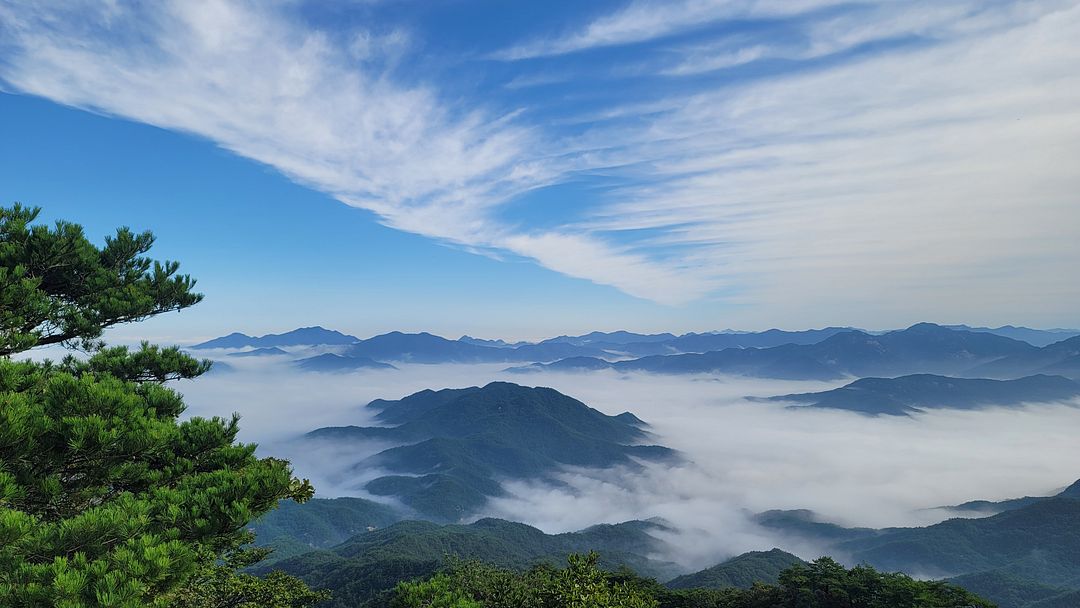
point(526, 169)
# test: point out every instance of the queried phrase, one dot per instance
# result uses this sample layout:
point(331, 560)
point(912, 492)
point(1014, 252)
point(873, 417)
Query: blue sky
point(524, 169)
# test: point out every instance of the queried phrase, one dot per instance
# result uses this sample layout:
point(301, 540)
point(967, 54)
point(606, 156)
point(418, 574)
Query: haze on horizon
point(523, 171)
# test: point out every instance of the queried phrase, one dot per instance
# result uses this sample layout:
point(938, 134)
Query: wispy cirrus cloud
point(877, 188)
point(646, 20)
point(322, 109)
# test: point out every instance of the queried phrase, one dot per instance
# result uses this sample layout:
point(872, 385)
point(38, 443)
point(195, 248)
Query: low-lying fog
point(744, 457)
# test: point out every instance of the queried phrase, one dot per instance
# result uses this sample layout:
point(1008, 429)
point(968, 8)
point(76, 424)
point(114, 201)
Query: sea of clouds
point(742, 457)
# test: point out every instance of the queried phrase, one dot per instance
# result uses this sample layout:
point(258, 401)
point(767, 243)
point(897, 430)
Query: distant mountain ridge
point(923, 348)
point(914, 393)
point(607, 347)
point(458, 442)
point(329, 362)
point(303, 336)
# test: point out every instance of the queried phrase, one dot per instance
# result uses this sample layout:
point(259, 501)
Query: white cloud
point(743, 457)
point(648, 20)
point(877, 190)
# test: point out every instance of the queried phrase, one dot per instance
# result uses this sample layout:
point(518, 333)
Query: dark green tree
point(820, 584)
point(56, 286)
point(106, 498)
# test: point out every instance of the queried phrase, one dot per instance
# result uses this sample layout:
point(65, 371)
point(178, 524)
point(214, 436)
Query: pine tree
point(106, 498)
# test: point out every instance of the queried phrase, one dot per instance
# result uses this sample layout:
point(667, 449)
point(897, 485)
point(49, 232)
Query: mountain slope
point(1061, 358)
point(740, 571)
point(457, 442)
point(370, 563)
point(908, 394)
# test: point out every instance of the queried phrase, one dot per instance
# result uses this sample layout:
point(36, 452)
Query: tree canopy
point(106, 497)
point(56, 286)
point(821, 584)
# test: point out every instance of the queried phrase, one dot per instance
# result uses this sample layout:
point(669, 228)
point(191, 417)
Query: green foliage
point(56, 286)
point(473, 585)
point(221, 585)
point(105, 498)
point(360, 570)
point(821, 584)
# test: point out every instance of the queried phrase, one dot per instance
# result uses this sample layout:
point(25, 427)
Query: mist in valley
point(740, 457)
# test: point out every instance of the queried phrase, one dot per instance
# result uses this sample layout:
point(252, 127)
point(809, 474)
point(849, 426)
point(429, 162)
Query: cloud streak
point(882, 188)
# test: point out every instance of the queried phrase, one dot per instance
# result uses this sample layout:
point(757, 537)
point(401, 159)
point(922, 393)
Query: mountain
point(1035, 337)
point(1062, 358)
point(921, 348)
point(987, 507)
point(458, 442)
point(329, 362)
point(1040, 542)
point(494, 343)
point(740, 571)
point(266, 351)
point(1018, 558)
point(367, 565)
point(428, 348)
point(610, 338)
point(293, 528)
point(909, 394)
point(627, 343)
point(700, 343)
point(220, 367)
point(570, 364)
point(297, 337)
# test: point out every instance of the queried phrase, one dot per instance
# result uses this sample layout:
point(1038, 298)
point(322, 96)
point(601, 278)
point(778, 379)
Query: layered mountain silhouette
point(914, 393)
point(428, 348)
point(298, 337)
point(1026, 556)
point(458, 442)
point(781, 359)
point(266, 351)
point(1035, 337)
point(329, 362)
point(924, 348)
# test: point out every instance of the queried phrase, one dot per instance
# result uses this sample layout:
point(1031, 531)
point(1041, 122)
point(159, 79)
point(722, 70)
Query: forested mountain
point(740, 571)
point(908, 394)
point(1027, 552)
point(369, 564)
point(458, 441)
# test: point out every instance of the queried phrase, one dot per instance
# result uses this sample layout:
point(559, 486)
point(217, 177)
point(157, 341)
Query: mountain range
point(363, 568)
point(456, 443)
point(821, 354)
point(914, 393)
point(1026, 556)
point(923, 348)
